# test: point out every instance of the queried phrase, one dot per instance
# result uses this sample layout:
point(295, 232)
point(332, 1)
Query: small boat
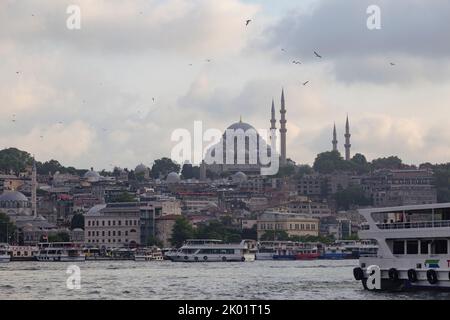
point(23, 253)
point(4, 254)
point(307, 252)
point(207, 250)
point(60, 251)
point(335, 252)
point(148, 254)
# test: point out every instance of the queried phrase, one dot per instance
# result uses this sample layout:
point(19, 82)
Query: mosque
point(246, 165)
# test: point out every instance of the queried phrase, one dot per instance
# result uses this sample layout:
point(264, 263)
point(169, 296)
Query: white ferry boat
point(60, 251)
point(208, 250)
point(356, 248)
point(4, 253)
point(413, 246)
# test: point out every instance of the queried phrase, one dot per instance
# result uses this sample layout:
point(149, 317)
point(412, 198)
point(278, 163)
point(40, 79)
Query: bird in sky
point(282, 49)
point(42, 137)
point(17, 72)
point(208, 60)
point(317, 55)
point(296, 62)
point(305, 83)
point(247, 22)
point(392, 64)
point(153, 99)
point(190, 64)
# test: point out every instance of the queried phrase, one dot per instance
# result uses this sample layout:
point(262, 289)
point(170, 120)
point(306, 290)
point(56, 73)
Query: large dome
point(13, 196)
point(241, 125)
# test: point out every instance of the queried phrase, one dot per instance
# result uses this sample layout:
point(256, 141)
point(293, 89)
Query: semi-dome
point(141, 169)
point(12, 196)
point(92, 176)
point(173, 177)
point(239, 177)
point(96, 209)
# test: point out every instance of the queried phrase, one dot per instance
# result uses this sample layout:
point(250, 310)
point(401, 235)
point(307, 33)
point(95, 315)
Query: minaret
point(273, 121)
point(335, 142)
point(283, 130)
point(34, 191)
point(347, 140)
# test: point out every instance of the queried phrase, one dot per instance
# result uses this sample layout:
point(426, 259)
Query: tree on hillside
point(330, 161)
point(163, 167)
point(353, 195)
point(124, 197)
point(15, 160)
point(360, 163)
point(392, 162)
point(59, 237)
point(182, 230)
point(190, 172)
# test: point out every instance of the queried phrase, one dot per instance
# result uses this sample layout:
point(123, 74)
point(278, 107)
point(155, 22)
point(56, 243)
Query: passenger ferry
point(148, 254)
point(413, 246)
point(208, 250)
point(4, 254)
point(287, 250)
point(60, 251)
point(23, 253)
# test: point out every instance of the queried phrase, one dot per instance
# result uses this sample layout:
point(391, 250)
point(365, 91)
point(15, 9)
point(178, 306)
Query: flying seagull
point(392, 64)
point(247, 22)
point(208, 60)
point(153, 99)
point(282, 49)
point(296, 62)
point(305, 83)
point(317, 55)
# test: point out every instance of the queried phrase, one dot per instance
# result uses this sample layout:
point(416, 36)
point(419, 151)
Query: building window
point(119, 222)
point(114, 222)
point(302, 226)
point(109, 223)
point(114, 233)
point(119, 233)
point(103, 223)
point(126, 233)
point(103, 233)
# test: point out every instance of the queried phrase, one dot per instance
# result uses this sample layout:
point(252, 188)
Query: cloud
point(413, 35)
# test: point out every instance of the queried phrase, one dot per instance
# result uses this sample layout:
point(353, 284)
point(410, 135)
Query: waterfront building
point(293, 224)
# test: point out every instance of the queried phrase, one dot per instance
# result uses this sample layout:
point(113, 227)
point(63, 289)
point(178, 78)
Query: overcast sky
point(85, 97)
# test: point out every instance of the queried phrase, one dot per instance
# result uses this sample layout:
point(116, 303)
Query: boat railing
point(412, 225)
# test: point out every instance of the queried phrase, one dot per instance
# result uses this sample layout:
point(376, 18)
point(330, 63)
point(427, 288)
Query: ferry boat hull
point(307, 256)
point(59, 258)
point(212, 258)
point(5, 258)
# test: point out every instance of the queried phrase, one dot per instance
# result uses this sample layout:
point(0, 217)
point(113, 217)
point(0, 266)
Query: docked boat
point(413, 247)
point(148, 254)
point(4, 254)
point(355, 249)
point(207, 250)
point(335, 252)
point(60, 251)
point(307, 251)
point(23, 253)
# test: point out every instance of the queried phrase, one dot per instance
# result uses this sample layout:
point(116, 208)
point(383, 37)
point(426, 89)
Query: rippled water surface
point(169, 280)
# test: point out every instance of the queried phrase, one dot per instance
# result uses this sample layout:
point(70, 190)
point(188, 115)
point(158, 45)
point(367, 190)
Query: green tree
point(190, 172)
point(303, 170)
point(15, 160)
point(77, 222)
point(392, 162)
point(124, 197)
point(275, 235)
point(331, 161)
point(7, 228)
point(163, 167)
point(360, 163)
point(250, 234)
point(182, 230)
point(353, 195)
point(59, 237)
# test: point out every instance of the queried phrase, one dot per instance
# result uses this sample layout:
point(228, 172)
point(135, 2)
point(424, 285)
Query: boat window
point(439, 247)
point(412, 247)
point(424, 246)
point(399, 247)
